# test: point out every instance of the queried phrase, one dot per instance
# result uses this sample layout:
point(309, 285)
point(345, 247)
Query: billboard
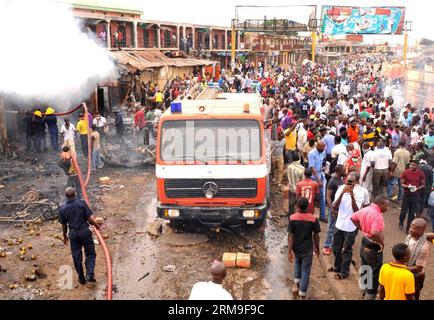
point(362, 20)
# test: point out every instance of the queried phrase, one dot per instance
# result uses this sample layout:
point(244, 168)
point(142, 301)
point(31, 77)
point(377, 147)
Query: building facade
point(125, 28)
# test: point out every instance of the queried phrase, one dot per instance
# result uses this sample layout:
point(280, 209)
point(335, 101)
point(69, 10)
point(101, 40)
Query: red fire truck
point(212, 161)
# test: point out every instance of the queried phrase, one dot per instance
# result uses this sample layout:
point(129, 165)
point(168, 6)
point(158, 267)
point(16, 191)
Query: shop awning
point(134, 60)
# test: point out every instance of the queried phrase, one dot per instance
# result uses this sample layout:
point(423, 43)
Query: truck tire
point(177, 225)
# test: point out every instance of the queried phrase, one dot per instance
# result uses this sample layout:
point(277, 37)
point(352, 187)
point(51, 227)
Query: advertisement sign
point(362, 20)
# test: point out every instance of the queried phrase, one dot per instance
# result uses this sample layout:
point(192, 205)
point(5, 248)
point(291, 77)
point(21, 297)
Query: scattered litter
point(248, 246)
point(147, 274)
point(169, 268)
point(104, 180)
point(31, 277)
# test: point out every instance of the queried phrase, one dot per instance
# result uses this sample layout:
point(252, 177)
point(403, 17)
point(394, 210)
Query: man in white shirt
point(339, 147)
point(302, 137)
point(382, 160)
point(349, 198)
point(365, 171)
point(68, 132)
point(212, 290)
point(101, 126)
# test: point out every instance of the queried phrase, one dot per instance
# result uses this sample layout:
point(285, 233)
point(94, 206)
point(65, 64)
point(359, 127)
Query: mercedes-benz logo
point(210, 189)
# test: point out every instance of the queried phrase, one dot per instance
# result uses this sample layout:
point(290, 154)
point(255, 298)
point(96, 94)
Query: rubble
point(31, 277)
point(30, 208)
point(155, 228)
point(169, 268)
point(129, 154)
point(104, 181)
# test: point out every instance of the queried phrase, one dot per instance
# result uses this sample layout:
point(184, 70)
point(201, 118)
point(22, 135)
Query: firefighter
point(38, 130)
point(53, 130)
point(76, 216)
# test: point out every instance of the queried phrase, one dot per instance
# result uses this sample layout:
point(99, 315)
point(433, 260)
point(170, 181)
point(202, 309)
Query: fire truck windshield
point(232, 140)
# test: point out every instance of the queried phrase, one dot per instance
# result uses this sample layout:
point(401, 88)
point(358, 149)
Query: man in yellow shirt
point(396, 281)
point(159, 98)
point(290, 142)
point(82, 129)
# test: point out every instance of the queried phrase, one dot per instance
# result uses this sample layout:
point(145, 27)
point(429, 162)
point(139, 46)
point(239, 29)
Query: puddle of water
point(129, 267)
point(277, 269)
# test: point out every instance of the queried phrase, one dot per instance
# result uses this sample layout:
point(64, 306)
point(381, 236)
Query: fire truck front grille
point(196, 188)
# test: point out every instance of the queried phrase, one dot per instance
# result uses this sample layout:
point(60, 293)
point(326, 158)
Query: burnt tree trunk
point(3, 131)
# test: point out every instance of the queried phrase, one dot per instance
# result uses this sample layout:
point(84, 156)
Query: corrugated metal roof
point(141, 60)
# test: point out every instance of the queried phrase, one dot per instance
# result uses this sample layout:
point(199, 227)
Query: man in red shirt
point(412, 180)
point(308, 188)
point(139, 119)
point(371, 222)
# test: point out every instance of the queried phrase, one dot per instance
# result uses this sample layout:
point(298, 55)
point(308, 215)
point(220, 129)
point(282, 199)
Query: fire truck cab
point(212, 161)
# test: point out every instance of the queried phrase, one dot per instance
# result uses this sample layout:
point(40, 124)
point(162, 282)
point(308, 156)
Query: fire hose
point(83, 185)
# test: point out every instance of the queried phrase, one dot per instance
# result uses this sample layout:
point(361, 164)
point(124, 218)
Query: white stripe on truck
point(211, 171)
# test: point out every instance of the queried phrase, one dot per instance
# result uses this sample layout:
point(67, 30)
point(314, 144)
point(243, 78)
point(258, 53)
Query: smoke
point(45, 57)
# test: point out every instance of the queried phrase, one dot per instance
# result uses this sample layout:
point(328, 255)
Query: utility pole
point(313, 36)
point(405, 48)
point(233, 41)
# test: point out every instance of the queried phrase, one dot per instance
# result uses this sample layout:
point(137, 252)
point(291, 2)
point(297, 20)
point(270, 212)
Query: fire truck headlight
point(173, 213)
point(249, 213)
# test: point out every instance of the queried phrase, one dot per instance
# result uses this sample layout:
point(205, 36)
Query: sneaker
point(401, 226)
point(82, 281)
point(90, 279)
point(326, 251)
point(295, 288)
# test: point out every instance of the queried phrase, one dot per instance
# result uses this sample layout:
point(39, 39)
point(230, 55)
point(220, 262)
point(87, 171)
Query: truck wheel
point(177, 226)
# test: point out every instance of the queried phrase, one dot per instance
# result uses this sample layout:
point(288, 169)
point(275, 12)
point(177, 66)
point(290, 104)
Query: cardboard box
point(229, 259)
point(243, 260)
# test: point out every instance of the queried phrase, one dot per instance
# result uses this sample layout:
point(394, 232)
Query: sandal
point(332, 269)
point(339, 276)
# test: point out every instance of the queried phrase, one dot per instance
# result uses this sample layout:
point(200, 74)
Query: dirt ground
point(128, 207)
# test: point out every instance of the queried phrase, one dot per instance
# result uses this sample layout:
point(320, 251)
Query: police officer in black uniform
point(76, 215)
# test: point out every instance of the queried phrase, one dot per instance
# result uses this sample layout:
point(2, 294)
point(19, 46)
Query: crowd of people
point(346, 147)
point(349, 147)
